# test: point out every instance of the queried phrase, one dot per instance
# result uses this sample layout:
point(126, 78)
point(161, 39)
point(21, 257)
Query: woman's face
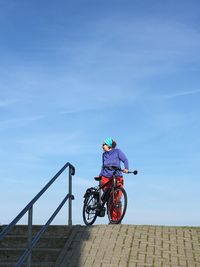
point(106, 147)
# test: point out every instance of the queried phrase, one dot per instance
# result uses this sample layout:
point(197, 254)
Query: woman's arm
point(124, 159)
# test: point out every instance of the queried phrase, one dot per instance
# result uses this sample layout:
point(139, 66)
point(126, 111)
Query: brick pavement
point(131, 246)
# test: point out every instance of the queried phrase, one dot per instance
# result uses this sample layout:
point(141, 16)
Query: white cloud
point(182, 94)
point(12, 122)
point(8, 102)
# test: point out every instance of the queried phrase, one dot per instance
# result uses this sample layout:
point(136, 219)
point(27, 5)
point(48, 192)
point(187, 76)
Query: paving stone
point(133, 246)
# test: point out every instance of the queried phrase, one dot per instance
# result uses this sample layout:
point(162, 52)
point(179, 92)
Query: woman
point(113, 156)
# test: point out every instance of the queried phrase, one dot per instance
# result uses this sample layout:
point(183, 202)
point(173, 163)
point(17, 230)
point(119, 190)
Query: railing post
point(27, 255)
point(70, 197)
point(30, 223)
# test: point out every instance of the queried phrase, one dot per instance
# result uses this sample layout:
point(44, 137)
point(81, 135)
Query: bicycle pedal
point(101, 213)
point(97, 207)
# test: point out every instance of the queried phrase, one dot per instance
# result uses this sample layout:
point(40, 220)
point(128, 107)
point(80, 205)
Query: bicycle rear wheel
point(116, 205)
point(89, 209)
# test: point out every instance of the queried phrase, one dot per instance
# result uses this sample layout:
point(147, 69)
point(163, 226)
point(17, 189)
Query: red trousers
point(115, 212)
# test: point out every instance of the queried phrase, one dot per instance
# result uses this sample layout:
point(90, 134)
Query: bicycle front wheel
point(116, 205)
point(89, 211)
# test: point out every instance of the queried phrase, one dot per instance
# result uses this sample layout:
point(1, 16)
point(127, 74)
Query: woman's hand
point(125, 170)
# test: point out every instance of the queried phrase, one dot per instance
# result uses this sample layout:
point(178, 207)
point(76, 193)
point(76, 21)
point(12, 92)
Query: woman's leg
point(117, 208)
point(105, 182)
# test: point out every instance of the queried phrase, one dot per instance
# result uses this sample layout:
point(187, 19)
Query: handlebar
point(114, 168)
point(135, 172)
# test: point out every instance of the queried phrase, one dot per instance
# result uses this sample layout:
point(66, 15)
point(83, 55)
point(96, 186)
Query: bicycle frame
point(114, 185)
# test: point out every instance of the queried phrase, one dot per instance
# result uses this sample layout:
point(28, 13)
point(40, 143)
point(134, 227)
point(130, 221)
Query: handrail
point(29, 209)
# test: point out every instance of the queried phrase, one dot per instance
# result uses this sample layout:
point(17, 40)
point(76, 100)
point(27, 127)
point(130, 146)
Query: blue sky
point(76, 72)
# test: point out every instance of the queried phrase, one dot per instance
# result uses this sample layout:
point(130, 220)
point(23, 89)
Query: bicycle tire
point(89, 213)
point(117, 205)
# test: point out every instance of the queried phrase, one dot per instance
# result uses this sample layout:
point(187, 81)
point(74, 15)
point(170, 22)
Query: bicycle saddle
point(98, 178)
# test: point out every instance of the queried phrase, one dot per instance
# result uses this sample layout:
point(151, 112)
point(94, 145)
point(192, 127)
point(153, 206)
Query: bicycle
point(114, 198)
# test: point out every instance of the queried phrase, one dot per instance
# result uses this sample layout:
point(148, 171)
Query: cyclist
point(112, 157)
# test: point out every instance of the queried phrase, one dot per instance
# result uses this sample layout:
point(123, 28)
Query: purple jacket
point(113, 158)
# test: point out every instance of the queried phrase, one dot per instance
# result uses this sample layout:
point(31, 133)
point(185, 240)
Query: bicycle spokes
point(89, 210)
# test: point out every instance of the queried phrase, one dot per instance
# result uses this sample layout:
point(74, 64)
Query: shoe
point(114, 222)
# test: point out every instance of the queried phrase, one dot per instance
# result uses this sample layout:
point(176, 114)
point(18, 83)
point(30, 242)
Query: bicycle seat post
point(114, 181)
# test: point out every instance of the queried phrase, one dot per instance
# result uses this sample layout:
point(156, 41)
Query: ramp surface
point(131, 246)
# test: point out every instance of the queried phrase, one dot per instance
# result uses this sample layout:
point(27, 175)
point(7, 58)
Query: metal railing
point(29, 208)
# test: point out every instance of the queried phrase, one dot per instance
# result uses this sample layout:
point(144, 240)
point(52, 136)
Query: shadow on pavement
point(71, 255)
